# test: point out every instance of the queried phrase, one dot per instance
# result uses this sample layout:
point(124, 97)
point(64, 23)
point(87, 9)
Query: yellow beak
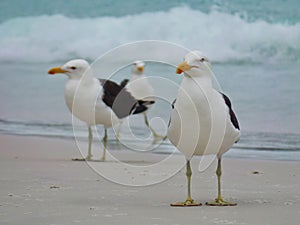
point(56, 70)
point(182, 67)
point(140, 68)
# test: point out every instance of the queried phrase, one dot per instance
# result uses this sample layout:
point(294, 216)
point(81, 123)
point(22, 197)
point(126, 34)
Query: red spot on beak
point(179, 71)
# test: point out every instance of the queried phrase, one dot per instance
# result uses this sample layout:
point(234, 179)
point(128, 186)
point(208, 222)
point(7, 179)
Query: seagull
point(140, 88)
point(202, 120)
point(95, 101)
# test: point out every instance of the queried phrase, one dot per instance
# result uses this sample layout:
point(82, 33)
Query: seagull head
point(137, 67)
point(194, 64)
point(74, 69)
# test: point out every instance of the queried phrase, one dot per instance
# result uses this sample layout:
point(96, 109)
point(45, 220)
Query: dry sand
point(40, 185)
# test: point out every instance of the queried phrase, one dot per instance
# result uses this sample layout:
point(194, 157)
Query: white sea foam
point(222, 36)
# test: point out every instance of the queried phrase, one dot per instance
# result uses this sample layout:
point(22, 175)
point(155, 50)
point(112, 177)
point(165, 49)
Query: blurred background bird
point(140, 88)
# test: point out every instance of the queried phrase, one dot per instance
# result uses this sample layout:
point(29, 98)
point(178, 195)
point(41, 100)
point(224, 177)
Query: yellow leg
point(155, 135)
point(105, 144)
point(89, 156)
point(189, 201)
point(119, 130)
point(219, 200)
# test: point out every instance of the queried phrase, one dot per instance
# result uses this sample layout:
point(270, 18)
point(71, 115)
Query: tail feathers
point(124, 83)
point(146, 102)
point(141, 106)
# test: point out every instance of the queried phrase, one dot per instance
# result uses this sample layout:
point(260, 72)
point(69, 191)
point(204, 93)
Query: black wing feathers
point(120, 100)
point(233, 118)
point(124, 83)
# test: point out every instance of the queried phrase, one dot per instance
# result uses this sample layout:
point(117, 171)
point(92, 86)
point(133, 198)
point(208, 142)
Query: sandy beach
point(41, 185)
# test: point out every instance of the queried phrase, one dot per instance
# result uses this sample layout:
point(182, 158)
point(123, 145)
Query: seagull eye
point(73, 67)
point(202, 60)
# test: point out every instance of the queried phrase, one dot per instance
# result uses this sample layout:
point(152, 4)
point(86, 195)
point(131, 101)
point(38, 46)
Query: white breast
point(84, 101)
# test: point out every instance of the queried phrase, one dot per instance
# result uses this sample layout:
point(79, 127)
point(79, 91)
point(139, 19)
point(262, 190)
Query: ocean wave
point(222, 36)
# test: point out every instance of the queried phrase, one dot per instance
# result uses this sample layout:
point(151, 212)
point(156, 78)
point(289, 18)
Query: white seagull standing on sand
point(95, 101)
point(140, 88)
point(202, 120)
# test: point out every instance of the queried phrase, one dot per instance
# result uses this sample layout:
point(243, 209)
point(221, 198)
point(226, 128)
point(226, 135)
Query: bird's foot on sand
point(220, 202)
point(186, 203)
point(88, 158)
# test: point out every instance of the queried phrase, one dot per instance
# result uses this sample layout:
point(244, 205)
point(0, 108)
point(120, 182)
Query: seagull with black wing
point(96, 101)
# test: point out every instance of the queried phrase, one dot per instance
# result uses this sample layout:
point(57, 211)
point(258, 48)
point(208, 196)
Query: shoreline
point(236, 152)
point(37, 175)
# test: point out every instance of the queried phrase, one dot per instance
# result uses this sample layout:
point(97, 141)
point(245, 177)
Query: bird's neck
point(135, 76)
point(204, 82)
point(85, 79)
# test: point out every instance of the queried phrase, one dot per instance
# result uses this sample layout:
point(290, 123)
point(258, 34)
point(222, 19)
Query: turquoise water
point(286, 11)
point(254, 47)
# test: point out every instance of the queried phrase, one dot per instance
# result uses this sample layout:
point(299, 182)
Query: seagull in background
point(140, 88)
point(202, 120)
point(95, 101)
